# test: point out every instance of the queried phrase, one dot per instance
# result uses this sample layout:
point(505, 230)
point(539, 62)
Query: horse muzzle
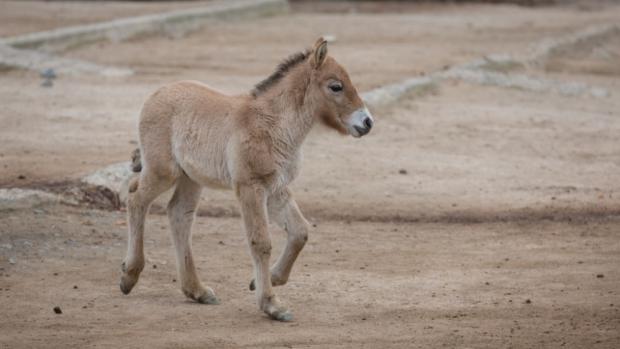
point(359, 123)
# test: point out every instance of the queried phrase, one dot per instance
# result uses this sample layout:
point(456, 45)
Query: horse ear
point(319, 53)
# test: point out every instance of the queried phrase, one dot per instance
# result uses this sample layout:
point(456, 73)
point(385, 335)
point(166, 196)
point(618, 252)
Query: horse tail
point(136, 160)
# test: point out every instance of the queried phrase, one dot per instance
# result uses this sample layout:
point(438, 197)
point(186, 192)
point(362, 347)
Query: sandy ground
point(360, 285)
point(463, 203)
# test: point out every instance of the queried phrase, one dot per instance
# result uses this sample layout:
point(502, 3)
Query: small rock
point(57, 310)
point(220, 242)
point(528, 301)
point(600, 276)
point(48, 73)
point(21, 177)
point(12, 260)
point(402, 171)
point(75, 287)
point(154, 266)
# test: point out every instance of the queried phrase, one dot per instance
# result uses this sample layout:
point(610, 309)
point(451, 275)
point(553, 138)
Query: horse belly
point(210, 172)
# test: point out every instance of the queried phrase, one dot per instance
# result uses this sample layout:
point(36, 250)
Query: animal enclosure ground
point(435, 230)
point(539, 284)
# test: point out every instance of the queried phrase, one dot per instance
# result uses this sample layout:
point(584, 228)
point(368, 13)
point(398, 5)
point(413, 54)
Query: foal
point(192, 136)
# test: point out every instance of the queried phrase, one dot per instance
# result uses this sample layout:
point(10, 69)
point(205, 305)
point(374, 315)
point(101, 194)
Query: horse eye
point(335, 87)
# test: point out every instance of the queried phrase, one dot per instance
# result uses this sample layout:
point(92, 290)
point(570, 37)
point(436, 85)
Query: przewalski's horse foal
point(192, 136)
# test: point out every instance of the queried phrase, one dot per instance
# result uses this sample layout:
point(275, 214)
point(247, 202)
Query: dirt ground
point(538, 284)
point(471, 217)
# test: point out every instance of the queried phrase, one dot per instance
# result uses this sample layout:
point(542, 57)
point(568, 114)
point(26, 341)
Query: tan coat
point(193, 136)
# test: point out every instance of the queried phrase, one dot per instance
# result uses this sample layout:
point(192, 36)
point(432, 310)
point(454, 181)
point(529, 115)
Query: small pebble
point(21, 177)
point(600, 276)
point(75, 287)
point(528, 301)
point(57, 310)
point(48, 73)
point(402, 171)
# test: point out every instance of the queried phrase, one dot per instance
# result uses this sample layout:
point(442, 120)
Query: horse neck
point(293, 110)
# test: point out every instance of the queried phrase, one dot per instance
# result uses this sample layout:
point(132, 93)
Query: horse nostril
point(368, 123)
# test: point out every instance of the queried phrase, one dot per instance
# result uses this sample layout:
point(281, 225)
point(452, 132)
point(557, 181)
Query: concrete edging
point(39, 61)
point(546, 48)
point(175, 22)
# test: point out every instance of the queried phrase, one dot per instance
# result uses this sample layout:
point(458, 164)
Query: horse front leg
point(253, 200)
point(284, 211)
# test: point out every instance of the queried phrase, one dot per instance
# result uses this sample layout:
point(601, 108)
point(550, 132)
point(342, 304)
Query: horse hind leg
point(142, 191)
point(181, 212)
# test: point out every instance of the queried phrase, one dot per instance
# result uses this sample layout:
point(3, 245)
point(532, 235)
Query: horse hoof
point(283, 316)
point(129, 277)
point(277, 311)
point(202, 296)
point(127, 284)
point(208, 299)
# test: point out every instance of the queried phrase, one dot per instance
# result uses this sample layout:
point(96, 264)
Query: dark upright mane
point(280, 72)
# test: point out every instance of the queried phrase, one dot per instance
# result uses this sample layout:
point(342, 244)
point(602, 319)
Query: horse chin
point(353, 132)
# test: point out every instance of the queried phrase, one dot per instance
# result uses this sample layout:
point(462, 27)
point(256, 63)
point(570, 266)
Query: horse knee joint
point(261, 246)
